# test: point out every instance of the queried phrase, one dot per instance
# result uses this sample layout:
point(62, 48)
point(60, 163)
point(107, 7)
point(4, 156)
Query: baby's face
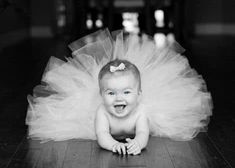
point(120, 93)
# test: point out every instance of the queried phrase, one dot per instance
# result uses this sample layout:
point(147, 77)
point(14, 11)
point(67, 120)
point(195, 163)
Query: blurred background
point(32, 30)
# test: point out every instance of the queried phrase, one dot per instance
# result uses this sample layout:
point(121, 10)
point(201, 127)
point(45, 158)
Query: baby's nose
point(119, 97)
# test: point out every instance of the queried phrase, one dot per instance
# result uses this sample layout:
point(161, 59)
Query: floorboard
point(156, 154)
point(181, 154)
point(160, 152)
point(78, 154)
point(206, 153)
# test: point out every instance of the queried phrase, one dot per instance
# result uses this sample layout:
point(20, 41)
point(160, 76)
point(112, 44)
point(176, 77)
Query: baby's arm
point(141, 138)
point(104, 138)
point(142, 130)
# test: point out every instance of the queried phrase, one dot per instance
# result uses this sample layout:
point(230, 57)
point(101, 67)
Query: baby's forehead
point(119, 82)
point(111, 75)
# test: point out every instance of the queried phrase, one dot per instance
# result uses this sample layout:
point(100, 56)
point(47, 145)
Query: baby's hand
point(120, 148)
point(133, 147)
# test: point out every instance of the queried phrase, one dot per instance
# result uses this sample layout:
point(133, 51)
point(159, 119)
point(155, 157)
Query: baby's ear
point(139, 95)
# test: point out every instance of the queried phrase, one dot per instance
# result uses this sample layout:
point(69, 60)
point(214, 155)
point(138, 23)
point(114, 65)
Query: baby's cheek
point(132, 100)
point(108, 100)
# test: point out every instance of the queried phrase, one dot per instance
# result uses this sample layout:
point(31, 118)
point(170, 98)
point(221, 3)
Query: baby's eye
point(127, 92)
point(111, 93)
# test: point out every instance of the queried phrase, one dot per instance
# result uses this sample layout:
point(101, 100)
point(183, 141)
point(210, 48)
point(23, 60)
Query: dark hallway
point(31, 31)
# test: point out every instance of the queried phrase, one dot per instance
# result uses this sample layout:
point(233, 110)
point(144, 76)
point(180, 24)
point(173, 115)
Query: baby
point(121, 126)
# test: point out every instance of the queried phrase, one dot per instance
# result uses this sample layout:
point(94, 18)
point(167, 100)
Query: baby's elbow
point(143, 136)
point(146, 143)
point(101, 140)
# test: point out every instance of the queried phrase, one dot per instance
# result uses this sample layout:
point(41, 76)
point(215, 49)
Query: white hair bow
point(118, 68)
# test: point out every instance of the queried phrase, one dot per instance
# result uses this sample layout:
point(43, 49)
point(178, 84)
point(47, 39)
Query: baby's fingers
point(123, 149)
point(119, 149)
point(132, 149)
point(114, 148)
point(130, 145)
point(128, 139)
point(136, 152)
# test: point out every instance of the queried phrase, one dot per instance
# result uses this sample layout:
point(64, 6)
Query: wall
point(42, 18)
point(14, 19)
point(23, 19)
point(210, 17)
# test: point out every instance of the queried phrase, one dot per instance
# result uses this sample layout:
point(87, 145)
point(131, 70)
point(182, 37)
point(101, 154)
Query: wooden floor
point(21, 67)
point(160, 152)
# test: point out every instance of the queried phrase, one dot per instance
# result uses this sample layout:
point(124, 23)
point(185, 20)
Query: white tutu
point(175, 98)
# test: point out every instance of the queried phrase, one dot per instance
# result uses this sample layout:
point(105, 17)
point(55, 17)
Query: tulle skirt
point(175, 97)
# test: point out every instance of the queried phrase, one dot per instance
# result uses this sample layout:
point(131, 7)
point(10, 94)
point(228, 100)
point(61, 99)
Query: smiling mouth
point(119, 107)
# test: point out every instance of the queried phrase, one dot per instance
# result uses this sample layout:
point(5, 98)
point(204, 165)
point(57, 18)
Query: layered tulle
point(175, 97)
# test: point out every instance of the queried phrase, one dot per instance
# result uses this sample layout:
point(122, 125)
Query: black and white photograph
point(117, 83)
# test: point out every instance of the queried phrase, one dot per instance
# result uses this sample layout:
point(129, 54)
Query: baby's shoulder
point(140, 109)
point(101, 111)
point(137, 114)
